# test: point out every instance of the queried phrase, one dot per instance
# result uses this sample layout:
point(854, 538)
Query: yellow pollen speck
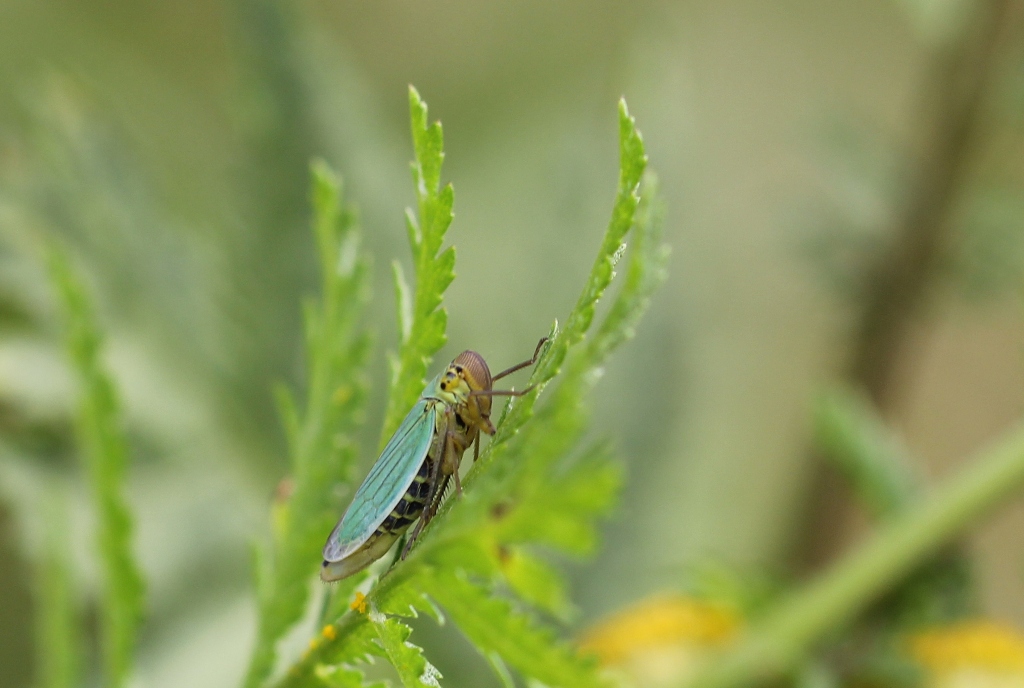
point(980, 645)
point(312, 644)
point(329, 632)
point(660, 621)
point(358, 603)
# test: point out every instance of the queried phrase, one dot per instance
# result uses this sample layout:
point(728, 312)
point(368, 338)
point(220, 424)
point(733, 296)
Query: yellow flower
point(660, 640)
point(971, 654)
point(358, 603)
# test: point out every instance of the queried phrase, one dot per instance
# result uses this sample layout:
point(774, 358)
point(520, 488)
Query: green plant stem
point(775, 644)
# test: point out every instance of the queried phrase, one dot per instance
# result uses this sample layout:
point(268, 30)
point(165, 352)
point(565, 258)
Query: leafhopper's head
point(469, 373)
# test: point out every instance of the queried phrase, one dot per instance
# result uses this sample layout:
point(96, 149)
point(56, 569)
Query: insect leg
point(437, 484)
point(458, 482)
point(434, 474)
point(456, 443)
point(431, 510)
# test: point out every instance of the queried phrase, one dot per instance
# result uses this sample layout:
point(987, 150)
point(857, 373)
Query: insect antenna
point(524, 364)
point(500, 392)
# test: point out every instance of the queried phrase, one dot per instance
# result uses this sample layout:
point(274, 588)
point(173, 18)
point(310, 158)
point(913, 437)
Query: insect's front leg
point(458, 481)
point(454, 448)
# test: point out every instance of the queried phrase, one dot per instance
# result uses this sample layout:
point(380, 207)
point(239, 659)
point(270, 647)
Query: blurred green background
point(168, 144)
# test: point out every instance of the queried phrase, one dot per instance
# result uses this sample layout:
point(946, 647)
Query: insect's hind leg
point(432, 496)
point(431, 511)
point(425, 517)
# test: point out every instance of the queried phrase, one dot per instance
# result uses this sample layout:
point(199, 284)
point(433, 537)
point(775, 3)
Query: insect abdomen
point(412, 503)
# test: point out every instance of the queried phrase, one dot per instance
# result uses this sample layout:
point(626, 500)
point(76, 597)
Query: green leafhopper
point(411, 475)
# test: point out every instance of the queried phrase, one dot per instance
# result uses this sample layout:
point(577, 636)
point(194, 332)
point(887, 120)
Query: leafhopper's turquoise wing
point(387, 481)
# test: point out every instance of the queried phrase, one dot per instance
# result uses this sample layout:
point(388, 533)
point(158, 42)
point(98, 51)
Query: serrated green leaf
point(476, 553)
point(632, 162)
point(413, 668)
point(408, 601)
point(356, 643)
point(428, 141)
point(105, 453)
point(536, 582)
point(343, 677)
point(433, 268)
point(560, 512)
point(646, 272)
point(322, 455)
point(494, 625)
point(340, 595)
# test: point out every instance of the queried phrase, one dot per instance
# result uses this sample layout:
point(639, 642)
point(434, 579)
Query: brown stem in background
point(898, 284)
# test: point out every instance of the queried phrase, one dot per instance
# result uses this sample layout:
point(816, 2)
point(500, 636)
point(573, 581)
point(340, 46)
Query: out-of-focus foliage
point(872, 458)
point(167, 146)
point(867, 453)
point(105, 455)
point(58, 631)
point(320, 435)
